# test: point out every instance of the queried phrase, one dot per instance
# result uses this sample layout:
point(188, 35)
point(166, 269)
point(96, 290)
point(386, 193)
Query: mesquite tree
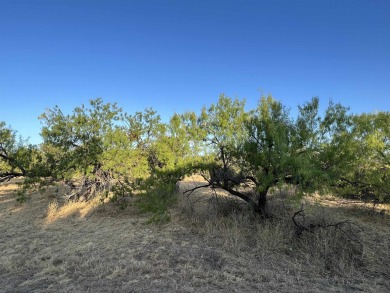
point(267, 147)
point(19, 159)
point(74, 144)
point(11, 153)
point(368, 145)
point(256, 146)
point(269, 154)
point(98, 149)
point(92, 149)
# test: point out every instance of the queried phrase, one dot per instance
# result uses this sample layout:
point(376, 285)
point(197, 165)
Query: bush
point(157, 201)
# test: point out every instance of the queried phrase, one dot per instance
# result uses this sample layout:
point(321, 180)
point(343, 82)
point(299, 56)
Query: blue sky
point(180, 55)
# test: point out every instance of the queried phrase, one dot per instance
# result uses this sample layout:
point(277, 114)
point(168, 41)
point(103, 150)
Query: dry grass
point(212, 244)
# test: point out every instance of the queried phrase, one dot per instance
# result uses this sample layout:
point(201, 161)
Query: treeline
point(100, 150)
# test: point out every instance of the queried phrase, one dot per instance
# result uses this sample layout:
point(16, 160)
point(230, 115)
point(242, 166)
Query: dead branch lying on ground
point(299, 219)
point(86, 188)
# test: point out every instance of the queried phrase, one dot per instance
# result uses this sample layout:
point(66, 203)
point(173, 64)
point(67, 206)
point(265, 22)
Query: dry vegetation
point(210, 245)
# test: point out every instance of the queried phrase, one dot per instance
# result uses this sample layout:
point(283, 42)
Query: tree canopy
point(100, 149)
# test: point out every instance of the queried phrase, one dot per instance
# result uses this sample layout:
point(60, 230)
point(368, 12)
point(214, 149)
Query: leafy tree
point(221, 129)
point(92, 145)
point(223, 133)
point(267, 147)
point(11, 164)
point(108, 150)
point(368, 170)
point(323, 144)
point(256, 146)
point(99, 148)
point(270, 156)
point(169, 151)
point(177, 147)
point(18, 158)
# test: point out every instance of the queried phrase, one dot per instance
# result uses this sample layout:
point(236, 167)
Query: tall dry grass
point(337, 250)
point(211, 244)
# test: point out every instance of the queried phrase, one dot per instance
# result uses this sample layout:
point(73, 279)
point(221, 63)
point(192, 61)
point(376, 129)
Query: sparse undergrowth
point(333, 249)
point(157, 203)
point(212, 243)
point(335, 245)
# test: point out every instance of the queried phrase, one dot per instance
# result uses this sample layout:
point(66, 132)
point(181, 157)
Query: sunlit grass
point(212, 244)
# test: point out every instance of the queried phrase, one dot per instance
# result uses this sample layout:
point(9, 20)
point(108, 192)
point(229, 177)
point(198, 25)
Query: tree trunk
point(262, 203)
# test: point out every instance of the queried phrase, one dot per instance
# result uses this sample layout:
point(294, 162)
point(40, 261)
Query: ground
point(208, 246)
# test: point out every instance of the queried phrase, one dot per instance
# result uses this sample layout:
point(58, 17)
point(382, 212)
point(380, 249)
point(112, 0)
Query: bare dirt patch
point(210, 245)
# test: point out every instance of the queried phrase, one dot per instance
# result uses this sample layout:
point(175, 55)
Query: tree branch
point(7, 176)
point(311, 228)
point(240, 195)
point(361, 184)
point(190, 191)
point(251, 178)
point(11, 161)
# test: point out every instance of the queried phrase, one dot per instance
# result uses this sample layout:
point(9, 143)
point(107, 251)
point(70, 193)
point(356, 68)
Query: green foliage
point(222, 126)
point(222, 132)
point(157, 201)
point(368, 146)
point(117, 154)
point(78, 141)
point(18, 158)
point(269, 150)
point(101, 150)
point(320, 144)
point(105, 148)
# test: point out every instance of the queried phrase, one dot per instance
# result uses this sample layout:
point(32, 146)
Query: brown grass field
point(211, 244)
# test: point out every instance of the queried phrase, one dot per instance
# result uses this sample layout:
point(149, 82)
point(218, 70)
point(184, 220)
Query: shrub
point(157, 200)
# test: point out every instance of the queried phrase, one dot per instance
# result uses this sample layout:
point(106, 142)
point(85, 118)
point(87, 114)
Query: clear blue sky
point(180, 55)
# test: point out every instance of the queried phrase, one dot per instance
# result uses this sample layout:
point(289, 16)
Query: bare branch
point(190, 191)
point(311, 228)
